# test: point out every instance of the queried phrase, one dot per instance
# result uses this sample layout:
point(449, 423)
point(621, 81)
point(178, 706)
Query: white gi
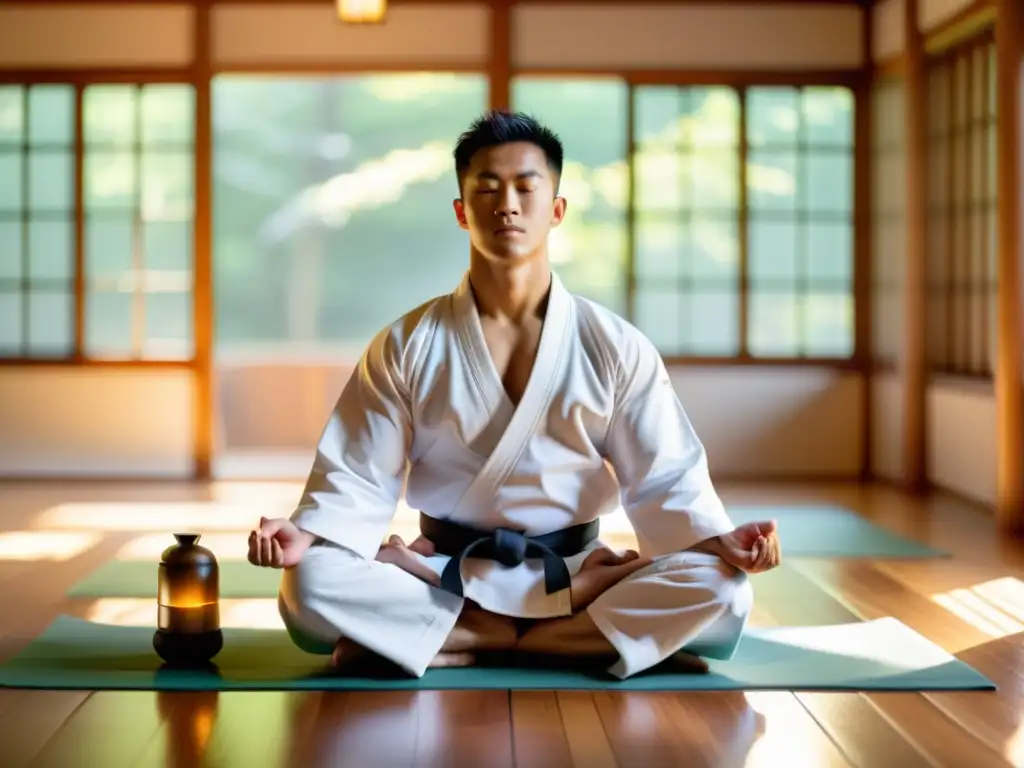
point(427, 405)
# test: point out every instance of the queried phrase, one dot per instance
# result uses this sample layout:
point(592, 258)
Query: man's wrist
point(712, 546)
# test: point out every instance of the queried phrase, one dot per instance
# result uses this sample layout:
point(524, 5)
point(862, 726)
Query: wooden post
point(499, 69)
point(913, 363)
point(1009, 337)
point(863, 152)
point(203, 372)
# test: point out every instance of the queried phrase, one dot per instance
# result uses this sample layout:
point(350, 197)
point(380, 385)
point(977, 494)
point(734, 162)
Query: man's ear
point(558, 211)
point(460, 213)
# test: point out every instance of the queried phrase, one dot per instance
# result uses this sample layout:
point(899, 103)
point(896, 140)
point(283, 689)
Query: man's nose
point(508, 204)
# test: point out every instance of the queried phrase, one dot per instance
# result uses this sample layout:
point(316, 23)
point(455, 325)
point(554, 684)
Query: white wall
point(805, 36)
point(776, 422)
point(789, 421)
point(962, 438)
point(117, 422)
point(932, 13)
point(886, 426)
point(888, 29)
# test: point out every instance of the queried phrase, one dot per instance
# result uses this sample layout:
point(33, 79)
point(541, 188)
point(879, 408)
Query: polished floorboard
point(972, 605)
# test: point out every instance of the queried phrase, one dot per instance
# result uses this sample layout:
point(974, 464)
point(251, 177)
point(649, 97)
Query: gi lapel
point(548, 369)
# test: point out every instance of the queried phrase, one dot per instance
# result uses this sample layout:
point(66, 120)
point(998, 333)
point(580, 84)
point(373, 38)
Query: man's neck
point(512, 293)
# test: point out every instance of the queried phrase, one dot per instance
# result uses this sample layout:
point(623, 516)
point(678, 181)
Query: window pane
point(10, 324)
point(772, 180)
point(714, 322)
point(12, 115)
point(167, 191)
point(714, 116)
point(659, 316)
point(828, 116)
point(659, 249)
point(713, 177)
point(657, 115)
point(51, 323)
point(110, 180)
point(829, 179)
point(51, 181)
point(829, 252)
point(109, 246)
point(773, 250)
point(773, 116)
point(10, 180)
point(712, 250)
point(662, 180)
point(828, 324)
point(168, 326)
point(10, 249)
point(109, 115)
point(51, 250)
point(589, 248)
point(168, 115)
point(168, 245)
point(774, 330)
point(51, 114)
point(108, 324)
point(303, 240)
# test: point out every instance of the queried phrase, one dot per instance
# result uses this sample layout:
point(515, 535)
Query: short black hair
point(501, 127)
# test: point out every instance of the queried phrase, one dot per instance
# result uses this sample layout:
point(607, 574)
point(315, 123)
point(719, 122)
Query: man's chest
point(513, 351)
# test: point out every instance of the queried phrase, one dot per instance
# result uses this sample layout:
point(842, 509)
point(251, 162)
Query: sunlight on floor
point(1014, 749)
point(141, 612)
point(177, 517)
point(45, 545)
point(238, 492)
point(225, 546)
point(789, 736)
point(995, 608)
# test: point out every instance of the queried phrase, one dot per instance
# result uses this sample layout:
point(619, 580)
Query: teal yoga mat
point(881, 655)
point(134, 578)
point(833, 532)
point(819, 532)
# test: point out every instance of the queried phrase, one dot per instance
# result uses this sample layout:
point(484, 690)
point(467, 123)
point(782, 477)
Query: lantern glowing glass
point(362, 11)
point(188, 610)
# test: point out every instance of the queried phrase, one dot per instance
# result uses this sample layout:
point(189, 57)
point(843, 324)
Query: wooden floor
point(972, 605)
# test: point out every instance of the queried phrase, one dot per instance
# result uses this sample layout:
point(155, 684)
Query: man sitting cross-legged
point(517, 414)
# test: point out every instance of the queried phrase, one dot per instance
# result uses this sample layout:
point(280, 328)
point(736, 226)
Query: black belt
point(508, 547)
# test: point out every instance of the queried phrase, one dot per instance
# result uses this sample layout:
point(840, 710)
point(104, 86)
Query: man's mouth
point(508, 231)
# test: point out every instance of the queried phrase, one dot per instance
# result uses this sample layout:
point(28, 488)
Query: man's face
point(508, 203)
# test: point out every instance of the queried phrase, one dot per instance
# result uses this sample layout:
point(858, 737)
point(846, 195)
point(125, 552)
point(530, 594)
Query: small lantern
point(188, 612)
point(362, 11)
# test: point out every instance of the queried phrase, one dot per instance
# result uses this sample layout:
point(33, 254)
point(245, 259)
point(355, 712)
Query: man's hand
point(602, 570)
point(278, 543)
point(753, 548)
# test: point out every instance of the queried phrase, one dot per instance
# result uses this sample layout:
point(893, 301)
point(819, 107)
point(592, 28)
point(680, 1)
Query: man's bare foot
point(345, 652)
point(475, 630)
point(480, 630)
point(444, 659)
point(398, 554)
point(687, 662)
point(575, 635)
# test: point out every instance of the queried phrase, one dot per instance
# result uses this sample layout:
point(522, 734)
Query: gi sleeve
point(658, 459)
point(352, 492)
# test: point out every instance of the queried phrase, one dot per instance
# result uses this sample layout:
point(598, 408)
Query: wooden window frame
point(962, 251)
point(882, 286)
point(80, 80)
